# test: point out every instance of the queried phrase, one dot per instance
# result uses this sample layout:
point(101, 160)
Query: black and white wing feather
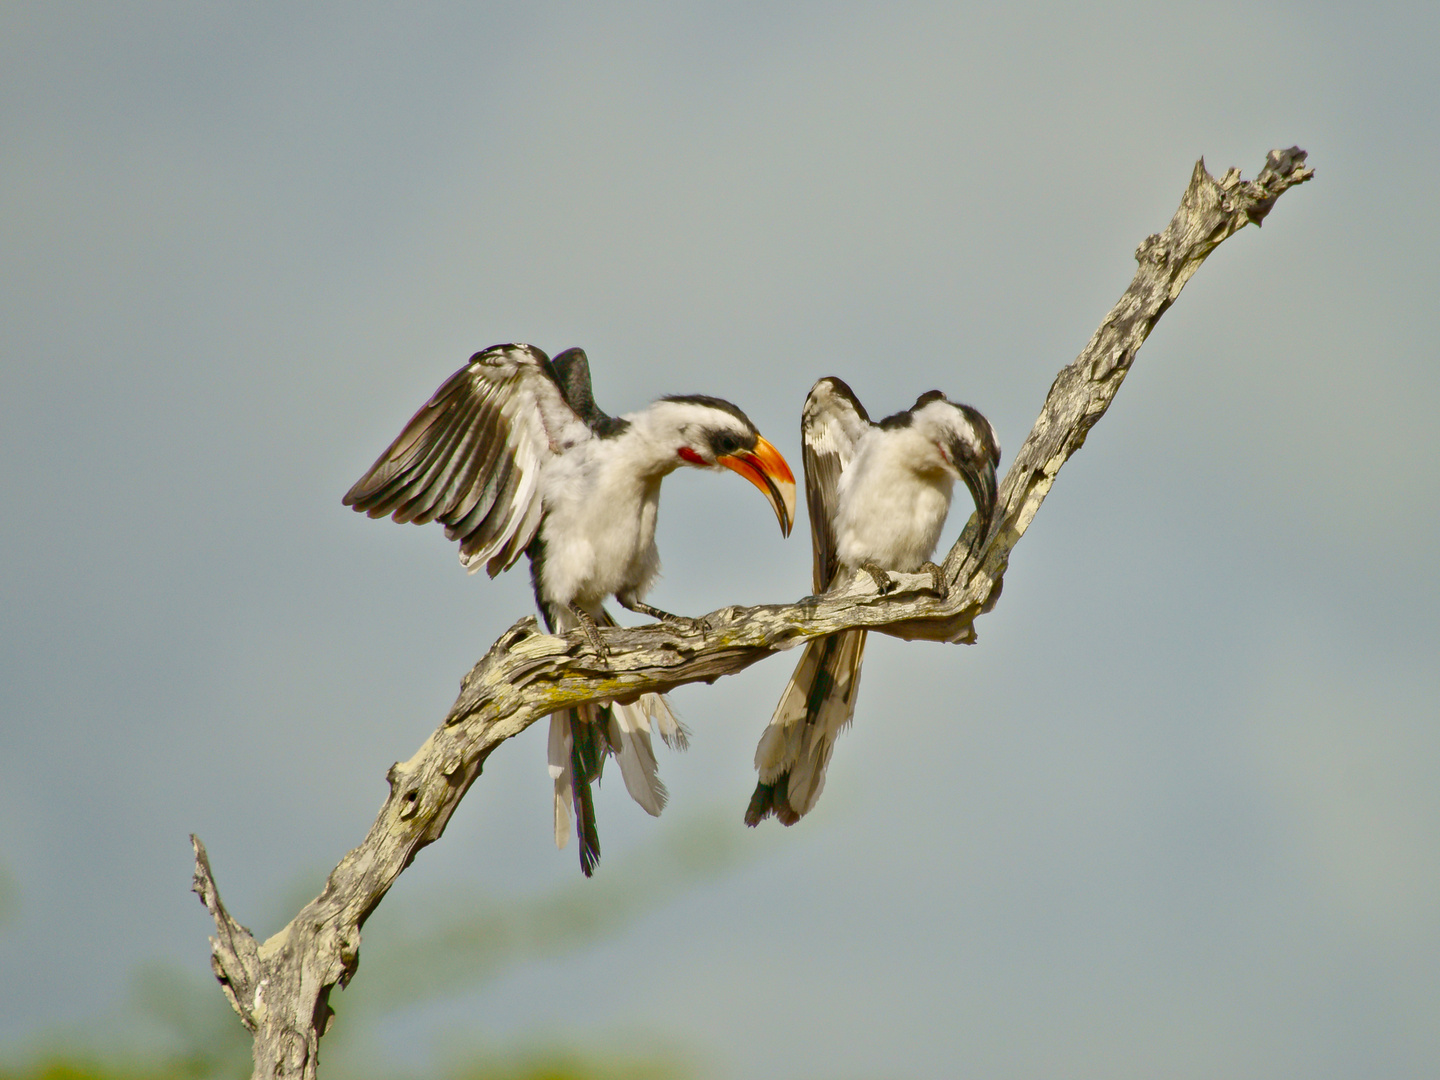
point(831, 427)
point(471, 458)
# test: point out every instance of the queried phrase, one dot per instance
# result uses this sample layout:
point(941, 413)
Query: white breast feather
point(893, 500)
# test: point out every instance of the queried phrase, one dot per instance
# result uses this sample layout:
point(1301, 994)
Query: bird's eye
point(724, 442)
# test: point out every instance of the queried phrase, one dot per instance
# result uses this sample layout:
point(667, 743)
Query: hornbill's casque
point(878, 496)
point(512, 455)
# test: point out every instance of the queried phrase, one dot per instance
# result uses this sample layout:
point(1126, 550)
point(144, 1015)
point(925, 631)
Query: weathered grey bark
point(281, 988)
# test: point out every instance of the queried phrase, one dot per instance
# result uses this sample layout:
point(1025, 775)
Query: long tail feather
point(559, 756)
point(588, 747)
point(672, 730)
point(581, 739)
point(816, 705)
point(630, 737)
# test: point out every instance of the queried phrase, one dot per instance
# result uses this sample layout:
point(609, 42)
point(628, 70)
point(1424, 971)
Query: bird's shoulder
point(521, 387)
point(833, 420)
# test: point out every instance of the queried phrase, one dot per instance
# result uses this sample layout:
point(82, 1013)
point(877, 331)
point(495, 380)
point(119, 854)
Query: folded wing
point(832, 424)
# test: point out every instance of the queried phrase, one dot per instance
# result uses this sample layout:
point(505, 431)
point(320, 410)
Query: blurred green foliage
point(176, 1024)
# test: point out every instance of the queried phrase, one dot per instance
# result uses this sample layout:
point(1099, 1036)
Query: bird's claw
point(598, 644)
point(938, 585)
point(592, 633)
point(700, 626)
point(683, 621)
point(883, 581)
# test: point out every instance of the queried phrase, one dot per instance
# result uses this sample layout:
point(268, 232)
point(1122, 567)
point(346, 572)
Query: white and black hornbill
point(512, 455)
point(878, 496)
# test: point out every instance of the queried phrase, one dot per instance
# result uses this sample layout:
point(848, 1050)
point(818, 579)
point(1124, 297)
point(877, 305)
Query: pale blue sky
point(1175, 815)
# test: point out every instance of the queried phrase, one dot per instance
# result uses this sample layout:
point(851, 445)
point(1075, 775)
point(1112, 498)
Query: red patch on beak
point(691, 456)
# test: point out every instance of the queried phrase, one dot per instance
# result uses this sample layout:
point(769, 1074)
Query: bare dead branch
point(281, 989)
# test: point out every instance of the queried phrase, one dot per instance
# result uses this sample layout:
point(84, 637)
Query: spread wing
point(831, 426)
point(471, 458)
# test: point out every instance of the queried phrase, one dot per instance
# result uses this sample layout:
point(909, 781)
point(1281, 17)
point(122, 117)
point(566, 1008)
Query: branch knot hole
point(523, 629)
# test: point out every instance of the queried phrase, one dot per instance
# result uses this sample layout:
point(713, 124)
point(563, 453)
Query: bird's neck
point(651, 444)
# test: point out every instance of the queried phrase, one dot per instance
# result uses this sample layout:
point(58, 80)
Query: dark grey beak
point(983, 488)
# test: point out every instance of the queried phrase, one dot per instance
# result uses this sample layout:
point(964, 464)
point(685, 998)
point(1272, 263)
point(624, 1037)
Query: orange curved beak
point(767, 470)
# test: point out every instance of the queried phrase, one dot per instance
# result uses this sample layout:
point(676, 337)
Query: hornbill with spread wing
point(878, 496)
point(513, 455)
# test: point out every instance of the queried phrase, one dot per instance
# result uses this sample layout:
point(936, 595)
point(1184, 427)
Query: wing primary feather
point(398, 478)
point(519, 538)
point(445, 486)
point(492, 533)
point(476, 536)
point(399, 458)
point(473, 456)
point(489, 476)
point(439, 459)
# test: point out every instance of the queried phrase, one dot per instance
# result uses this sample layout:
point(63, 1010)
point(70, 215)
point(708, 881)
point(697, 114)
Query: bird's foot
point(699, 626)
point(592, 632)
point(685, 621)
point(938, 585)
point(883, 581)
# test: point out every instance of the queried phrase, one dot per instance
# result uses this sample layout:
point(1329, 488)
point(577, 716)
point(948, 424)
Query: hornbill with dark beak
point(513, 455)
point(878, 497)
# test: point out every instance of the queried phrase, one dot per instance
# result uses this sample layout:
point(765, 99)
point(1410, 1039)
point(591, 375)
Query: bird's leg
point(630, 603)
point(883, 581)
point(591, 631)
point(938, 585)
